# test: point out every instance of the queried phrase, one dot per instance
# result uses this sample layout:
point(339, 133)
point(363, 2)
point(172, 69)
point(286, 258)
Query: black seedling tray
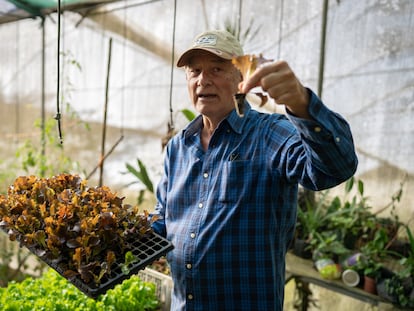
point(146, 250)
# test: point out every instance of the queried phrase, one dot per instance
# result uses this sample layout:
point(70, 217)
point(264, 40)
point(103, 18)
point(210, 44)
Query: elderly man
point(228, 196)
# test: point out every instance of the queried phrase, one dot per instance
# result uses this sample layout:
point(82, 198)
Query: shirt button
point(192, 235)
point(200, 205)
point(190, 297)
point(189, 266)
point(337, 139)
point(317, 129)
point(205, 175)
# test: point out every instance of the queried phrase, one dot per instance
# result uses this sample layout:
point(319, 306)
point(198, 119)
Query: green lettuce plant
point(52, 292)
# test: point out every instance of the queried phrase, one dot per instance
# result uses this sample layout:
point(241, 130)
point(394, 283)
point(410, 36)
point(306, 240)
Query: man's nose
point(203, 79)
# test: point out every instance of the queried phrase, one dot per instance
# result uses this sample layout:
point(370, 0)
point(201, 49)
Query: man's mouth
point(206, 96)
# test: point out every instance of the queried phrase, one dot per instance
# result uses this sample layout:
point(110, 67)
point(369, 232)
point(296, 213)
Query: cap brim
point(187, 55)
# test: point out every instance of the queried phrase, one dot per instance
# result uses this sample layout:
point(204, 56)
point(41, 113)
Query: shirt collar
point(235, 122)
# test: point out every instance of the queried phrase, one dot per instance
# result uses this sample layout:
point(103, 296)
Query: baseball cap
point(218, 42)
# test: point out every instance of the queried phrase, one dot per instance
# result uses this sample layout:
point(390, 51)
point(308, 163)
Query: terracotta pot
point(370, 285)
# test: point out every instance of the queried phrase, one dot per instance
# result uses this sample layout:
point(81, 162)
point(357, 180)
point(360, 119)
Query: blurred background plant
point(42, 155)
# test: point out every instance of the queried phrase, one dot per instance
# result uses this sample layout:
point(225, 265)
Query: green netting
point(42, 4)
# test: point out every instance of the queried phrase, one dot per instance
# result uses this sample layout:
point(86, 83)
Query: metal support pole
point(105, 114)
point(322, 47)
point(43, 109)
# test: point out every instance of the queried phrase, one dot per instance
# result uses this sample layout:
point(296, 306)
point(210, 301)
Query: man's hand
point(280, 82)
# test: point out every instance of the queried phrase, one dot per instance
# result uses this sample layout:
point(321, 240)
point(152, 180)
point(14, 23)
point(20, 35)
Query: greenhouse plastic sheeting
point(14, 10)
point(368, 75)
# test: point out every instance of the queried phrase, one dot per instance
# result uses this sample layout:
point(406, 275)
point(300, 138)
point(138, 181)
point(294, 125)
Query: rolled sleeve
point(328, 139)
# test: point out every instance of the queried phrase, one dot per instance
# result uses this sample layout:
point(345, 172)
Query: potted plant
point(355, 223)
point(371, 265)
point(399, 288)
point(327, 251)
point(349, 220)
point(408, 262)
point(327, 245)
point(312, 220)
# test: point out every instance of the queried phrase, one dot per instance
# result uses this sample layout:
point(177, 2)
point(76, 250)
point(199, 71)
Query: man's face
point(212, 83)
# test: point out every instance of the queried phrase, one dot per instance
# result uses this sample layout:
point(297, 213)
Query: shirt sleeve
point(328, 142)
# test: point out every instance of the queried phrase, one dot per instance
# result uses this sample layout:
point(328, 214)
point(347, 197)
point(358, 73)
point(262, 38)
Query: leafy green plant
point(407, 262)
point(141, 173)
point(34, 161)
point(315, 225)
point(31, 159)
point(399, 287)
point(327, 245)
point(399, 290)
point(52, 292)
point(61, 219)
point(189, 115)
point(312, 218)
point(243, 36)
point(41, 157)
point(349, 219)
point(132, 294)
point(374, 253)
point(48, 157)
point(354, 221)
point(330, 225)
point(129, 260)
point(140, 170)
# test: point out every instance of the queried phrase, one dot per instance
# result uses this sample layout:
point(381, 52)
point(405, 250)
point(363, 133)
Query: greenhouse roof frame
point(15, 10)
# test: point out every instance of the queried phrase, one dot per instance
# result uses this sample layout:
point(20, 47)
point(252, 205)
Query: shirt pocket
point(236, 180)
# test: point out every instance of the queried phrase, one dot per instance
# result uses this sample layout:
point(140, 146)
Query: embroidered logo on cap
point(207, 40)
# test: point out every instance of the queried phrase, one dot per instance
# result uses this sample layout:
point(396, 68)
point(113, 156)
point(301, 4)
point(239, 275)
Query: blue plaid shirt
point(230, 211)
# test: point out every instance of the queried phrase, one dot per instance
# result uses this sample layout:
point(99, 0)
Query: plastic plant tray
point(146, 250)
